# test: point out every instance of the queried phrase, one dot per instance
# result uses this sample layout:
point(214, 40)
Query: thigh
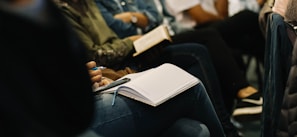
point(132, 118)
point(242, 31)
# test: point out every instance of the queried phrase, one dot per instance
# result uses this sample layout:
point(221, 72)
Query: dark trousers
point(230, 76)
point(242, 32)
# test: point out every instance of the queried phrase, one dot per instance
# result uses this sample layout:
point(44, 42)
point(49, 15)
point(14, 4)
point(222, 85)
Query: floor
point(250, 126)
point(251, 129)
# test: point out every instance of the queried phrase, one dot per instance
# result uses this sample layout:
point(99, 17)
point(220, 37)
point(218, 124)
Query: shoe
point(249, 105)
point(254, 99)
point(247, 108)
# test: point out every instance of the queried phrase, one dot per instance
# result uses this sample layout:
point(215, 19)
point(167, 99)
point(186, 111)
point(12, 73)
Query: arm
point(121, 28)
point(109, 51)
point(201, 16)
point(126, 17)
point(261, 2)
point(120, 22)
point(222, 7)
point(193, 9)
point(149, 9)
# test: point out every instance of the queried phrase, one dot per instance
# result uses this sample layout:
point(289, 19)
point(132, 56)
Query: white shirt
point(177, 7)
point(236, 6)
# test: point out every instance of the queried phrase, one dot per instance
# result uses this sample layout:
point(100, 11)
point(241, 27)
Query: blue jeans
point(130, 118)
point(195, 59)
point(186, 127)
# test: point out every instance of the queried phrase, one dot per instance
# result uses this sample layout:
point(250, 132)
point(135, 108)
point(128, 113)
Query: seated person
point(132, 118)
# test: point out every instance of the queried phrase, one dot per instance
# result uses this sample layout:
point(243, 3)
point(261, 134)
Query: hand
point(105, 81)
point(96, 75)
point(134, 37)
point(125, 17)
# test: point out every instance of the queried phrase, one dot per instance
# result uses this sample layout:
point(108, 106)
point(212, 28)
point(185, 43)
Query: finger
point(91, 64)
point(96, 78)
point(105, 81)
point(95, 72)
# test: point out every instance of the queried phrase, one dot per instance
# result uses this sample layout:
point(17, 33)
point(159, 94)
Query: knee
point(185, 127)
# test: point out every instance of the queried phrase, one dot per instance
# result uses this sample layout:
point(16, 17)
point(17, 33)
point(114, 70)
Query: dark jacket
point(276, 68)
point(44, 84)
point(288, 117)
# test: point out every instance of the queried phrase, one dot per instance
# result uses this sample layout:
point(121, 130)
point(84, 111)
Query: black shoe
point(246, 111)
point(254, 99)
point(249, 105)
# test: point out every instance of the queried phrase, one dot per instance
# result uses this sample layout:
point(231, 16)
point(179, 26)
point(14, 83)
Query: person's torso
point(177, 9)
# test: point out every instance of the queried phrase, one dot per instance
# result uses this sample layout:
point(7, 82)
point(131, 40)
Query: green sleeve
point(110, 52)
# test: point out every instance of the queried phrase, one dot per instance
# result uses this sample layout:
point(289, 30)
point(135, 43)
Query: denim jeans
point(195, 59)
point(130, 118)
point(186, 127)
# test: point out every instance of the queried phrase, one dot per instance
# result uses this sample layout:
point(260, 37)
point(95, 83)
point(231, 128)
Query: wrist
point(134, 19)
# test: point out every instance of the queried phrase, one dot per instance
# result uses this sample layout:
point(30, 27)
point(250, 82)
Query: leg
point(231, 78)
point(242, 31)
point(132, 118)
point(195, 59)
point(185, 127)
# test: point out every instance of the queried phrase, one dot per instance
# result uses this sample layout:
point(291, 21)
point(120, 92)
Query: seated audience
point(42, 98)
point(230, 75)
point(178, 54)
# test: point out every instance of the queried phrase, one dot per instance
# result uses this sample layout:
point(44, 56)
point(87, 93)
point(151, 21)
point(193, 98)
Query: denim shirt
point(109, 8)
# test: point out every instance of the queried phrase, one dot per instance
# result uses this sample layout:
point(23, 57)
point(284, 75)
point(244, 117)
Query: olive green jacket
point(104, 46)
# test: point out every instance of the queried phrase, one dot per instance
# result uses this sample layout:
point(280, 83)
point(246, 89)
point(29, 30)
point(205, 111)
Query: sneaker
point(254, 99)
point(247, 108)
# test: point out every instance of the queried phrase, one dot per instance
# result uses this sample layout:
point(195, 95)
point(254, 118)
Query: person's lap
point(131, 118)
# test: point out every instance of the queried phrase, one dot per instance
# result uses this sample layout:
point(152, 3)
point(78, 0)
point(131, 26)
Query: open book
point(156, 85)
point(151, 39)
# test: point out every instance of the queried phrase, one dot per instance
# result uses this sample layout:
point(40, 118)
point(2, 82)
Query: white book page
point(156, 85)
point(151, 39)
point(132, 76)
point(162, 83)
